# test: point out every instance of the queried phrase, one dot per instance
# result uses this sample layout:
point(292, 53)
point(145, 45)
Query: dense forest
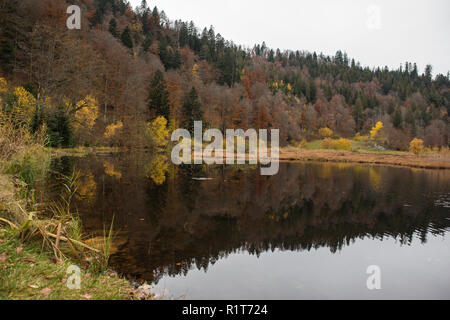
point(104, 84)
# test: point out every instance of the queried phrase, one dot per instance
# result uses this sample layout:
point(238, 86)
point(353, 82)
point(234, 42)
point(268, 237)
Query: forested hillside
point(104, 84)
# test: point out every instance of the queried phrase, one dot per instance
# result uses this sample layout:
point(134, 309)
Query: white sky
point(415, 30)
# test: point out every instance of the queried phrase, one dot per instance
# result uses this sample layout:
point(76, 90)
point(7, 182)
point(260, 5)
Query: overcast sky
point(415, 30)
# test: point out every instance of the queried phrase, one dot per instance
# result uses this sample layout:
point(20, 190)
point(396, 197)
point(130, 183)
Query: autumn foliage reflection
point(171, 219)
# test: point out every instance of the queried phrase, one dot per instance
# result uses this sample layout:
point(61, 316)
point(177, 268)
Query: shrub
point(341, 144)
point(325, 132)
point(327, 143)
point(3, 86)
point(416, 146)
point(29, 166)
point(444, 150)
point(13, 139)
point(359, 137)
point(303, 143)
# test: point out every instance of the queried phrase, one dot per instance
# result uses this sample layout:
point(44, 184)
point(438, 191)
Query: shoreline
point(425, 161)
point(29, 270)
point(433, 160)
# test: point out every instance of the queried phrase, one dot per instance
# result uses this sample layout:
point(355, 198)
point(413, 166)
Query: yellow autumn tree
point(325, 132)
point(158, 132)
point(86, 113)
point(195, 71)
point(24, 106)
point(376, 134)
point(113, 129)
point(416, 146)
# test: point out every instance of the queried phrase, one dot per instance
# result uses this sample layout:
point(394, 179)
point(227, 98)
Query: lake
point(309, 232)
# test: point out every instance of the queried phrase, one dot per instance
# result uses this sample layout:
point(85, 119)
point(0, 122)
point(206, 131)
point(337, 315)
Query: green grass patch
point(313, 145)
point(357, 146)
point(27, 272)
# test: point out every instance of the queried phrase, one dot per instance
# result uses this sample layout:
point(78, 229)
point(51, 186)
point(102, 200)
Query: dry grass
point(13, 140)
point(429, 160)
point(47, 236)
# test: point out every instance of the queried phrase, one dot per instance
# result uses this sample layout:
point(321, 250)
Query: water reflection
point(171, 222)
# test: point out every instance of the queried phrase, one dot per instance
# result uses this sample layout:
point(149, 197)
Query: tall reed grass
point(24, 161)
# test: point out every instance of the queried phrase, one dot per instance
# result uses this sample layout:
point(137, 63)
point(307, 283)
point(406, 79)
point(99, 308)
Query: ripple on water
point(443, 201)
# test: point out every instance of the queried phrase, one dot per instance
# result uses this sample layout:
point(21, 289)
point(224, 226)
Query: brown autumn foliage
point(67, 65)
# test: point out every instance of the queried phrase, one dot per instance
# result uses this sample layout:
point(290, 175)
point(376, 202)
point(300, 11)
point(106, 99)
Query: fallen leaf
point(29, 260)
point(19, 250)
point(46, 291)
point(33, 286)
point(3, 257)
point(86, 296)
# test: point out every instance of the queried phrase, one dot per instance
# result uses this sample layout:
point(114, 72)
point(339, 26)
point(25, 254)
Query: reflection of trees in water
point(157, 197)
point(189, 187)
point(185, 223)
point(157, 168)
point(58, 167)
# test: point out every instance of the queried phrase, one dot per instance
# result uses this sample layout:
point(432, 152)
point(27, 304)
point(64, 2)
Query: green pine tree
point(397, 120)
point(59, 129)
point(159, 96)
point(113, 28)
point(126, 38)
point(37, 120)
point(147, 42)
point(191, 110)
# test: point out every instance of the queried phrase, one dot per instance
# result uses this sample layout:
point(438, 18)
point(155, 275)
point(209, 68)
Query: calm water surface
point(309, 232)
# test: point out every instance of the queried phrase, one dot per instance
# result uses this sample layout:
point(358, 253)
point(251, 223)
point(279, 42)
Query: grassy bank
point(38, 242)
point(35, 253)
point(365, 153)
point(27, 272)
